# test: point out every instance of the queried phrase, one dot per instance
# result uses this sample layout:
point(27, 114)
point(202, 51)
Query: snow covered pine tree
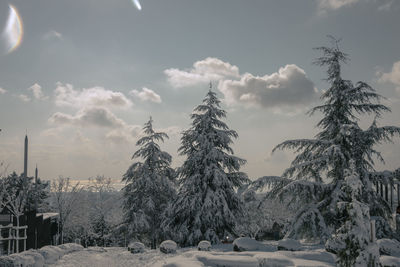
point(149, 186)
point(320, 164)
point(207, 206)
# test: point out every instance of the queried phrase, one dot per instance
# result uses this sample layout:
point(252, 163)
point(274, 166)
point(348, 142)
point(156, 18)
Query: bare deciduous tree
point(65, 197)
point(14, 199)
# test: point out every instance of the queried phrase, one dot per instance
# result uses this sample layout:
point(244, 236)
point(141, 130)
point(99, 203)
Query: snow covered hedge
point(390, 247)
point(51, 254)
point(168, 246)
point(70, 247)
point(246, 244)
point(204, 245)
point(38, 258)
point(289, 244)
point(136, 247)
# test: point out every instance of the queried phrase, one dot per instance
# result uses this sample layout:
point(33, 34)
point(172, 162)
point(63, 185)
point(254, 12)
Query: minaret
point(26, 157)
point(36, 188)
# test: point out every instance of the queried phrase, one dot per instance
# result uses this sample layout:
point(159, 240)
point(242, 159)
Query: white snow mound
point(204, 245)
point(136, 247)
point(96, 249)
point(289, 244)
point(389, 247)
point(168, 246)
point(22, 260)
point(51, 254)
point(36, 256)
point(246, 244)
point(389, 261)
point(71, 247)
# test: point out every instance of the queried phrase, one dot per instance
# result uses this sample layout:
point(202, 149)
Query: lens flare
point(137, 4)
point(13, 31)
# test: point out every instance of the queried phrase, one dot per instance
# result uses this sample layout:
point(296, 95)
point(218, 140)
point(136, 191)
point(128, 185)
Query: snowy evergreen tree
point(207, 206)
point(325, 158)
point(149, 186)
point(353, 242)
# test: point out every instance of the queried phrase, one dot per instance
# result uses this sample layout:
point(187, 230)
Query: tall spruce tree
point(207, 205)
point(149, 186)
point(323, 160)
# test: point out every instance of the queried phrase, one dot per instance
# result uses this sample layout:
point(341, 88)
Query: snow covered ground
point(265, 254)
point(221, 255)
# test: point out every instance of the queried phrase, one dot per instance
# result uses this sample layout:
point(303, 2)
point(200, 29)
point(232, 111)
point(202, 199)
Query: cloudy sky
point(89, 73)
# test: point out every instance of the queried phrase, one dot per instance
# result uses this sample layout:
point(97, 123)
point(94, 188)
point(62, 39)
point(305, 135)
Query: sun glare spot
point(13, 30)
point(137, 4)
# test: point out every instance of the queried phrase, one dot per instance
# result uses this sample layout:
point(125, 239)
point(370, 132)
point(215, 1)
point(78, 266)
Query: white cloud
point(124, 135)
point(171, 130)
point(89, 116)
point(393, 76)
point(66, 95)
point(121, 132)
point(24, 98)
point(147, 95)
point(327, 5)
point(386, 6)
point(52, 35)
point(37, 92)
point(290, 86)
point(2, 91)
point(203, 71)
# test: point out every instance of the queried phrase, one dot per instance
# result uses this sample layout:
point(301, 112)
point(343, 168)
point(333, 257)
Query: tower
point(36, 188)
point(26, 157)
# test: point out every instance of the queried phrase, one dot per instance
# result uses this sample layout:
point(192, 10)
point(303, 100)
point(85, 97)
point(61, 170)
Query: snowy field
point(221, 255)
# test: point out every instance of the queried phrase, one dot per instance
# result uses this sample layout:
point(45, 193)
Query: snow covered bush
point(204, 245)
point(51, 254)
point(22, 260)
point(262, 219)
point(289, 244)
point(38, 259)
point(389, 247)
point(246, 244)
point(168, 246)
point(389, 261)
point(70, 247)
point(136, 247)
point(207, 206)
point(352, 242)
point(6, 261)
